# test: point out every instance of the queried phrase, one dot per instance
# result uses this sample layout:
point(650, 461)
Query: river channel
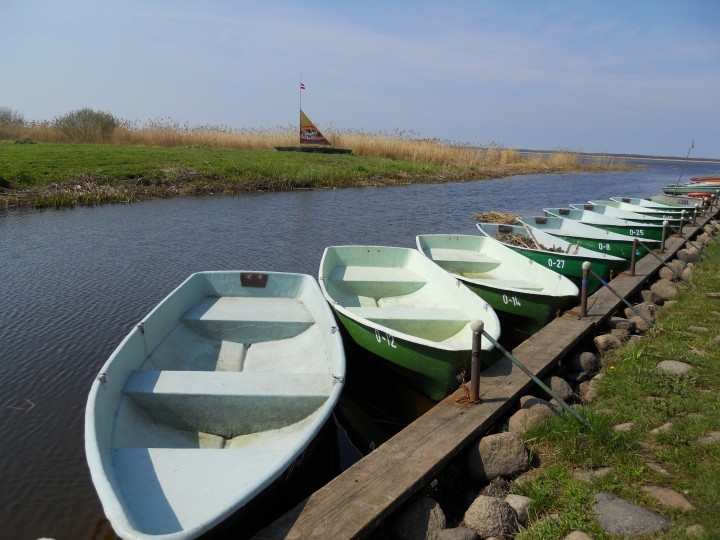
point(73, 283)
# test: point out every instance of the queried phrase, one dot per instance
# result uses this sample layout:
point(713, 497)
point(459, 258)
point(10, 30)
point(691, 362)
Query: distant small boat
point(568, 262)
point(611, 210)
point(634, 204)
point(681, 202)
point(530, 294)
point(400, 306)
point(214, 398)
point(712, 179)
point(616, 225)
point(311, 140)
point(595, 239)
point(702, 190)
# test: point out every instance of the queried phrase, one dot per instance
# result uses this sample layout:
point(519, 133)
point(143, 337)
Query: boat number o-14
point(380, 336)
point(511, 300)
point(557, 263)
point(602, 246)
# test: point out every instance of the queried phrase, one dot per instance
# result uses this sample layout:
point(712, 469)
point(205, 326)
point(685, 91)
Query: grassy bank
point(634, 390)
point(50, 174)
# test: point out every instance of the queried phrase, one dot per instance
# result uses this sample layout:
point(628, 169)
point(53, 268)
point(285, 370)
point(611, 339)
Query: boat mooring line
point(689, 241)
point(537, 381)
point(666, 265)
point(621, 297)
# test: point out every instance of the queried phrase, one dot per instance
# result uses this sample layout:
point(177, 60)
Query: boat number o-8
point(602, 246)
point(557, 263)
point(387, 337)
point(511, 300)
point(636, 232)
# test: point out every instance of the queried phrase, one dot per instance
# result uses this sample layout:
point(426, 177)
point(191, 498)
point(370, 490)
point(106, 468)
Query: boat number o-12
point(387, 337)
point(557, 263)
point(512, 300)
point(602, 246)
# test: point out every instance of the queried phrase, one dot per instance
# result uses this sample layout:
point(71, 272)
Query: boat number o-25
point(637, 232)
point(511, 300)
point(557, 263)
point(602, 246)
point(380, 336)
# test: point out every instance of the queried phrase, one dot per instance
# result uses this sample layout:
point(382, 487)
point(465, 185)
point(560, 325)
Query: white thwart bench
point(247, 319)
point(376, 281)
point(227, 403)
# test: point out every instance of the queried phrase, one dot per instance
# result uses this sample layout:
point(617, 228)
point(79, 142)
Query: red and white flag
point(302, 86)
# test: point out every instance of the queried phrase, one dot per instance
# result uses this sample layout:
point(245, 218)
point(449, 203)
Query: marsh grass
point(634, 390)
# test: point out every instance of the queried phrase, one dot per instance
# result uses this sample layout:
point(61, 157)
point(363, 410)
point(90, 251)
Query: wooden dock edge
point(354, 503)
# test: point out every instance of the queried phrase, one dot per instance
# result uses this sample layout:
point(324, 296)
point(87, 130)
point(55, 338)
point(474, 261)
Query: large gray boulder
point(688, 256)
point(503, 454)
point(665, 289)
point(618, 516)
point(458, 533)
point(649, 296)
point(521, 505)
point(422, 519)
point(527, 419)
point(561, 388)
point(587, 361)
point(491, 517)
point(641, 325)
point(607, 342)
point(648, 311)
point(588, 392)
point(677, 265)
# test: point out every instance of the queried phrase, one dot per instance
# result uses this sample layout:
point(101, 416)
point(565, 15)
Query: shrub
point(87, 125)
point(9, 117)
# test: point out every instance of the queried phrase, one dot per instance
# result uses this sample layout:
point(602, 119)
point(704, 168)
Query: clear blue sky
point(637, 77)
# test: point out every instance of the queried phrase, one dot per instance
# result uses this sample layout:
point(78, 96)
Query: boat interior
point(228, 386)
point(390, 291)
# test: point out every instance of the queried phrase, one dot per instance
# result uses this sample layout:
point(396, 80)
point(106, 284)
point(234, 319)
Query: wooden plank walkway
point(353, 504)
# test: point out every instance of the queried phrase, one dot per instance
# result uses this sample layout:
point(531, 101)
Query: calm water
point(74, 282)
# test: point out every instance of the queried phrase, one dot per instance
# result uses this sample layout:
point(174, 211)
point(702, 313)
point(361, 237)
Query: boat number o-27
point(557, 263)
point(511, 300)
point(380, 336)
point(602, 246)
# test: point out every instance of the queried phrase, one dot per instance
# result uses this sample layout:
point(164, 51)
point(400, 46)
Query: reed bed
point(495, 216)
point(398, 145)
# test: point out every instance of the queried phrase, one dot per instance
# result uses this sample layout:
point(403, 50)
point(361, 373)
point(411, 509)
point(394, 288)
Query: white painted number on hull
point(511, 300)
point(557, 263)
point(602, 247)
point(637, 232)
point(380, 336)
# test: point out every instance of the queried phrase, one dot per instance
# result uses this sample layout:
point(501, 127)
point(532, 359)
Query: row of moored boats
point(217, 395)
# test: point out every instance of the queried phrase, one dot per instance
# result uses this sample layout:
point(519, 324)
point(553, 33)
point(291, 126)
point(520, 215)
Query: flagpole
point(692, 145)
point(300, 110)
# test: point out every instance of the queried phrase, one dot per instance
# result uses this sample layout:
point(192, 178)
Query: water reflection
point(75, 281)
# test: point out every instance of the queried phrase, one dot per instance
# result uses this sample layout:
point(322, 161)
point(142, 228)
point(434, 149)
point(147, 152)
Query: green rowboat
point(684, 189)
point(619, 226)
point(529, 294)
point(400, 306)
point(609, 210)
point(679, 201)
point(646, 204)
point(568, 263)
point(602, 241)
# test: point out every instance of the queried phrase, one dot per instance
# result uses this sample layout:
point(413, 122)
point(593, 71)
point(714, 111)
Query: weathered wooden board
point(355, 502)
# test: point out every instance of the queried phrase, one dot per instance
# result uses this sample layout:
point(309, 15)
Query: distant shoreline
point(636, 157)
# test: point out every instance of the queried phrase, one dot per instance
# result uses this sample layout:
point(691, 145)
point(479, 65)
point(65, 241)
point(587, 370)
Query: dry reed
point(494, 216)
point(399, 145)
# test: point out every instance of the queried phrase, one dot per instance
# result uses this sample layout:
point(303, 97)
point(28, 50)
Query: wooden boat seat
point(248, 319)
point(376, 281)
point(227, 404)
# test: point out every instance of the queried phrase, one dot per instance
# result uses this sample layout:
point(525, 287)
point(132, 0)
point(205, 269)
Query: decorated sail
point(309, 134)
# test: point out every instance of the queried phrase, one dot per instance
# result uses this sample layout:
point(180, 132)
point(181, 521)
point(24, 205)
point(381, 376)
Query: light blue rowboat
point(214, 397)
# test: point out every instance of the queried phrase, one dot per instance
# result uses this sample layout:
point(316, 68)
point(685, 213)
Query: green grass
point(690, 401)
point(24, 166)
